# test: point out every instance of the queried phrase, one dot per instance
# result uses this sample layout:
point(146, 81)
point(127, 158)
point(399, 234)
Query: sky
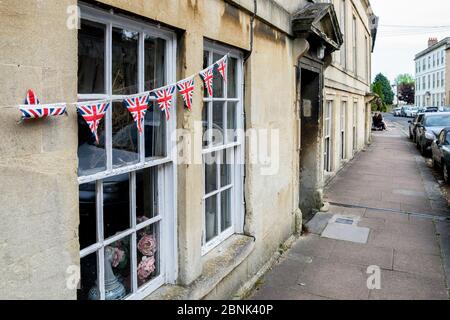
point(403, 31)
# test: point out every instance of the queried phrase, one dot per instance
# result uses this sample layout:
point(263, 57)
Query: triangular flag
point(164, 98)
point(208, 76)
point(31, 98)
point(222, 67)
point(137, 106)
point(186, 89)
point(93, 114)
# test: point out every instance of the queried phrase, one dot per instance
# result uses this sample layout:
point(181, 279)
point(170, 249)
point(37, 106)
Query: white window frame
point(327, 130)
point(343, 22)
point(355, 127)
point(166, 176)
point(343, 136)
point(237, 175)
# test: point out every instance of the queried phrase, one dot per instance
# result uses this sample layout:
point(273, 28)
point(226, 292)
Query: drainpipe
point(252, 29)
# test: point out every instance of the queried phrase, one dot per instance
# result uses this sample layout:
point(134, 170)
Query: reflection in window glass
point(218, 123)
point(211, 216)
point(218, 83)
point(91, 57)
point(88, 215)
point(118, 269)
point(88, 288)
point(210, 172)
point(225, 167)
point(91, 156)
point(231, 121)
point(125, 141)
point(124, 62)
point(155, 132)
point(225, 210)
point(154, 51)
point(148, 254)
point(146, 194)
point(232, 78)
point(116, 205)
point(205, 124)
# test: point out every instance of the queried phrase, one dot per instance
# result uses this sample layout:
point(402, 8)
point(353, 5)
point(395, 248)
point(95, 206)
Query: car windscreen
point(438, 121)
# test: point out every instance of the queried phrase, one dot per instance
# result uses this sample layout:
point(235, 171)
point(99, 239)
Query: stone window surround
point(168, 255)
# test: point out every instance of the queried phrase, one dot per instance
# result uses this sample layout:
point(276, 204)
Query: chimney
point(432, 42)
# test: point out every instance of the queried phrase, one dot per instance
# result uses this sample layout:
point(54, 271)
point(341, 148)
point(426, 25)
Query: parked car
point(404, 111)
point(429, 128)
point(431, 109)
point(413, 126)
point(414, 112)
point(396, 111)
point(440, 153)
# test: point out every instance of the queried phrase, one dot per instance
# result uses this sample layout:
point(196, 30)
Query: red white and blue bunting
point(137, 106)
point(94, 111)
point(34, 110)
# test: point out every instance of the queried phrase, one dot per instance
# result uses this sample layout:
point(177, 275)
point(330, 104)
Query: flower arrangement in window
point(147, 247)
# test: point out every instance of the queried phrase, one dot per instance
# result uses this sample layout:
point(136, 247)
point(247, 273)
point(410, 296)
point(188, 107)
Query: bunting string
point(137, 104)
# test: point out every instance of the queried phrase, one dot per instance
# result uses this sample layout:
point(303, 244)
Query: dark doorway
point(310, 158)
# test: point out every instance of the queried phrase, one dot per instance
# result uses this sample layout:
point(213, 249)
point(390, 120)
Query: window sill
point(217, 264)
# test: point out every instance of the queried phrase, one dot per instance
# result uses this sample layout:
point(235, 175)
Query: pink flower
point(147, 245)
point(146, 268)
point(118, 257)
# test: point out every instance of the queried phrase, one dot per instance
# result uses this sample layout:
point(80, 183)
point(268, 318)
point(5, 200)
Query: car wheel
point(445, 173)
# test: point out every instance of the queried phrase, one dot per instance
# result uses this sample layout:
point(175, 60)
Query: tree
point(406, 88)
point(405, 78)
point(388, 95)
point(378, 103)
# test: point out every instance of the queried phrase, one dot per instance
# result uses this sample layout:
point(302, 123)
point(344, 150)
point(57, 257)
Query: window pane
point(155, 132)
point(146, 194)
point(232, 78)
point(231, 121)
point(205, 124)
point(154, 53)
point(91, 157)
point(206, 63)
point(218, 83)
point(125, 136)
point(91, 57)
point(225, 211)
point(116, 204)
point(218, 123)
point(210, 172)
point(88, 289)
point(124, 61)
point(148, 254)
point(88, 217)
point(118, 269)
point(211, 218)
point(225, 167)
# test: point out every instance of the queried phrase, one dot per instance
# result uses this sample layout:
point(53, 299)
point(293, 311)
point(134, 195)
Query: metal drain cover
point(344, 221)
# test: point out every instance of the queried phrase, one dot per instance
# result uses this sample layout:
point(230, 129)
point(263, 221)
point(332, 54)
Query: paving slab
point(425, 265)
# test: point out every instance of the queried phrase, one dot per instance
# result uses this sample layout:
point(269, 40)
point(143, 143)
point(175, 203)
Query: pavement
point(386, 234)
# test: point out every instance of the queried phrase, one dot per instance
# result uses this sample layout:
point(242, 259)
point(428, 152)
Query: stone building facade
point(432, 74)
point(173, 213)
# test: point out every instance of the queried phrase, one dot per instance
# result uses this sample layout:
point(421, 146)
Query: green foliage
point(378, 104)
point(386, 89)
point(404, 79)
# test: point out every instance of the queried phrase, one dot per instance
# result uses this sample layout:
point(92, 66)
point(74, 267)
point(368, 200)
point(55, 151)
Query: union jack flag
point(93, 114)
point(186, 89)
point(164, 98)
point(137, 106)
point(42, 111)
point(34, 110)
point(31, 98)
point(222, 67)
point(208, 76)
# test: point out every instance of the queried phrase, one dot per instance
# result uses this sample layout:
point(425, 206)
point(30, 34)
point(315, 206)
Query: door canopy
point(317, 23)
